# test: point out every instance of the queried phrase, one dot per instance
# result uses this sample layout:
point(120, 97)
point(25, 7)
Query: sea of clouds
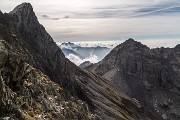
point(77, 60)
point(111, 44)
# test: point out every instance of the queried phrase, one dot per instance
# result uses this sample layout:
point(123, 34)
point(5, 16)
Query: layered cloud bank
point(77, 60)
point(89, 20)
point(79, 53)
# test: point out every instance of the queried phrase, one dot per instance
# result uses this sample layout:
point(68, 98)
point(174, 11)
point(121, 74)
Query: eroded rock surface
point(149, 75)
point(26, 93)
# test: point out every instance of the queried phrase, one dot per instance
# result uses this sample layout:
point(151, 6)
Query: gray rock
point(37, 66)
point(149, 75)
point(85, 64)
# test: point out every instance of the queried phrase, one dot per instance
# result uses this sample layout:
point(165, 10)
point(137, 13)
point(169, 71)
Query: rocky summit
point(37, 82)
point(151, 76)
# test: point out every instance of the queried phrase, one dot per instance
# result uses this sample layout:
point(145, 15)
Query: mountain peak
point(177, 46)
point(24, 7)
point(130, 40)
point(23, 15)
point(131, 44)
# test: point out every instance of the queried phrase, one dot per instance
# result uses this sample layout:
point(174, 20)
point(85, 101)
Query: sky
point(106, 20)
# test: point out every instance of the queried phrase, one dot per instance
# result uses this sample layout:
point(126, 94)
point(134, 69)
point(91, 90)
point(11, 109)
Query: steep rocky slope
point(172, 55)
point(26, 93)
point(149, 75)
point(35, 60)
point(85, 64)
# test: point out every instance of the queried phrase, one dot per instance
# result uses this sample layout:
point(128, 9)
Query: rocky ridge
point(150, 76)
point(38, 74)
point(26, 93)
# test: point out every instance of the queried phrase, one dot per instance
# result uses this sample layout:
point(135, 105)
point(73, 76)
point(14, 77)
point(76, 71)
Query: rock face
point(38, 82)
point(149, 75)
point(172, 55)
point(85, 64)
point(26, 93)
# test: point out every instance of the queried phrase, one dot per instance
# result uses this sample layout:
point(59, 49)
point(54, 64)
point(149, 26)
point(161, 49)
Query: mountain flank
point(150, 76)
point(38, 82)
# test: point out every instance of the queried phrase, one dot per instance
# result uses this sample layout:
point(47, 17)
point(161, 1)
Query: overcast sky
point(91, 20)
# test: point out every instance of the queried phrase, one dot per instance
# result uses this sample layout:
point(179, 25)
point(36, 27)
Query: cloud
point(97, 9)
point(50, 18)
point(75, 59)
point(152, 43)
point(138, 10)
point(66, 16)
point(92, 20)
point(162, 8)
point(45, 16)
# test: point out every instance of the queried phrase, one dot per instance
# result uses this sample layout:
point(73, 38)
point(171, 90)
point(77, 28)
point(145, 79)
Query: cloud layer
point(94, 58)
point(75, 59)
point(88, 20)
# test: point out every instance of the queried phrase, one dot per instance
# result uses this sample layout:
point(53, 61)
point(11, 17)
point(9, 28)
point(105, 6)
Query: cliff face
point(149, 75)
point(39, 46)
point(172, 55)
point(38, 81)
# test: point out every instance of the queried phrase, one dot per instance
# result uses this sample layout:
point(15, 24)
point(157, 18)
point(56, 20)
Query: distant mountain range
point(84, 53)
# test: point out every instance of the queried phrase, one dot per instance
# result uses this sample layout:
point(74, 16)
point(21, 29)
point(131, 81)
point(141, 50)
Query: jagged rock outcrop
point(149, 75)
point(36, 52)
point(26, 93)
point(172, 55)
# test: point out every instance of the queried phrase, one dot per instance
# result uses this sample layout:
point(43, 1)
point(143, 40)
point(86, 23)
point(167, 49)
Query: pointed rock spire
point(24, 14)
point(22, 8)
